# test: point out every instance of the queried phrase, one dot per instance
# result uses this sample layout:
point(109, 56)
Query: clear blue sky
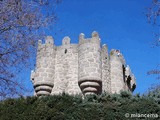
point(121, 24)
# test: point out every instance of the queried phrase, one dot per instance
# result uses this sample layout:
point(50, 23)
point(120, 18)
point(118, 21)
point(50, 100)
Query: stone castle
point(83, 68)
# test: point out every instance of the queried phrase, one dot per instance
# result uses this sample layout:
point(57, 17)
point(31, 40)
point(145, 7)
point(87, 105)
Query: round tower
point(44, 73)
point(117, 65)
point(89, 62)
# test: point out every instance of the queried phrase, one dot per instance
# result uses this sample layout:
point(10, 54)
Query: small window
point(124, 73)
point(65, 51)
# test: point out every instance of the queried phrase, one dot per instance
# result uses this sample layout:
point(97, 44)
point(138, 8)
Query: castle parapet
point(94, 39)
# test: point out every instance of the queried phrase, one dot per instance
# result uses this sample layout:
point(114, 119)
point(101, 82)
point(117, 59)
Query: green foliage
point(154, 92)
point(91, 107)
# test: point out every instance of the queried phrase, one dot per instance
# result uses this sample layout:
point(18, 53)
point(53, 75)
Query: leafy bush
point(65, 107)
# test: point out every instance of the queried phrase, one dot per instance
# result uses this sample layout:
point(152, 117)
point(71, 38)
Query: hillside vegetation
point(93, 107)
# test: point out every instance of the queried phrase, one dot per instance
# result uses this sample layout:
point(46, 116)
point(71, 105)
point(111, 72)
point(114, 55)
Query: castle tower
point(84, 68)
point(117, 64)
point(43, 76)
point(121, 76)
point(89, 70)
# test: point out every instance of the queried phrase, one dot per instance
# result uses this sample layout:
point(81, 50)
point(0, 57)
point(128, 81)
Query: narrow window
point(65, 51)
point(124, 77)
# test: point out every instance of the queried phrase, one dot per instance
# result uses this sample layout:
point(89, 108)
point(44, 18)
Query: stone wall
point(106, 78)
point(66, 68)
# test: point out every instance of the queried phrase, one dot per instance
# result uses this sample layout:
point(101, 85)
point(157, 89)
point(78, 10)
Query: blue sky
point(121, 24)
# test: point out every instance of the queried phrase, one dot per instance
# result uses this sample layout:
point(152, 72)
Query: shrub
point(65, 107)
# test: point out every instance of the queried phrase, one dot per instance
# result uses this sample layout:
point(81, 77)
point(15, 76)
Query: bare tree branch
point(20, 21)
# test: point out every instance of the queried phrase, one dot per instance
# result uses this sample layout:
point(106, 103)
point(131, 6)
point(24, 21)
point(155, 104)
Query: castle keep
point(83, 68)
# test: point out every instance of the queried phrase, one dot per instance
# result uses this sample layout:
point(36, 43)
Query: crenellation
point(84, 68)
point(49, 40)
point(81, 38)
point(105, 49)
point(66, 40)
point(39, 42)
point(95, 35)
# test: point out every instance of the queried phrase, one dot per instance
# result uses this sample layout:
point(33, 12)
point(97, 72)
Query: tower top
point(94, 38)
point(49, 40)
point(66, 40)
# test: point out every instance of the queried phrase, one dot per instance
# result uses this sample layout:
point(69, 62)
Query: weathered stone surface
point(84, 68)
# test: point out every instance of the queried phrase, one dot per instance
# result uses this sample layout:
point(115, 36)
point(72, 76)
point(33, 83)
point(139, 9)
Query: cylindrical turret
point(89, 60)
point(43, 78)
point(117, 64)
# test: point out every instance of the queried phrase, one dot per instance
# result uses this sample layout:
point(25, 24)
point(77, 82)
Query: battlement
point(105, 48)
point(94, 38)
point(49, 40)
point(117, 55)
point(66, 40)
point(83, 68)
